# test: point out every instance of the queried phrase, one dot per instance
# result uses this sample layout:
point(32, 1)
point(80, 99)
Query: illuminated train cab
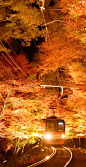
point(55, 130)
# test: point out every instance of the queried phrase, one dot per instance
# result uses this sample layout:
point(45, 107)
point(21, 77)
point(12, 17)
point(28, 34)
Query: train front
point(55, 131)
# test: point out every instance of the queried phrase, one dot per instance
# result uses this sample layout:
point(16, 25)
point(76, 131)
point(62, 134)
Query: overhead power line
point(7, 60)
point(12, 59)
point(52, 22)
point(53, 9)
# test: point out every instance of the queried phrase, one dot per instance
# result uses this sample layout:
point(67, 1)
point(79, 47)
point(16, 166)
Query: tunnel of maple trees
point(42, 47)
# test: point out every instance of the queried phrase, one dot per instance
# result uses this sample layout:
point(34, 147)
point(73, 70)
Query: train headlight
point(63, 136)
point(48, 136)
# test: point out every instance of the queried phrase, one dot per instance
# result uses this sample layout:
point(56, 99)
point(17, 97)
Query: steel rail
point(45, 159)
point(70, 157)
point(50, 156)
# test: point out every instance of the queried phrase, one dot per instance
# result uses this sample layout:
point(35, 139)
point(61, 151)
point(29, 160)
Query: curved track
point(61, 157)
point(67, 163)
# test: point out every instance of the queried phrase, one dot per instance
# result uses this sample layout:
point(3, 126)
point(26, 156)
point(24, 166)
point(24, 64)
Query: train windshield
point(55, 125)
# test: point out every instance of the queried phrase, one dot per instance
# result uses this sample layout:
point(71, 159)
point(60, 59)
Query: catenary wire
point(12, 58)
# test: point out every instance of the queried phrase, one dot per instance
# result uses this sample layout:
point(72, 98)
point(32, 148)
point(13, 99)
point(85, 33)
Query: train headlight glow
point(63, 136)
point(48, 136)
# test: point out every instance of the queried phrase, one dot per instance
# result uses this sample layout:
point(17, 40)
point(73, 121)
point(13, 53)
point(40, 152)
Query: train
point(54, 131)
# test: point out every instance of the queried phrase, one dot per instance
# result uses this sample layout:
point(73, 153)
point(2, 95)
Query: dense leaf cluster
point(59, 60)
point(19, 20)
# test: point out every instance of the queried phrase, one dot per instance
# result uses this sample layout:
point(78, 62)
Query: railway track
point(67, 163)
point(61, 157)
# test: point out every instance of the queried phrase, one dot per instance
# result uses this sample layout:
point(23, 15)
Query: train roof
point(54, 117)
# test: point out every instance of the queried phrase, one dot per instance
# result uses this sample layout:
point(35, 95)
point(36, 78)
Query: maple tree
point(75, 18)
point(59, 60)
point(20, 20)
